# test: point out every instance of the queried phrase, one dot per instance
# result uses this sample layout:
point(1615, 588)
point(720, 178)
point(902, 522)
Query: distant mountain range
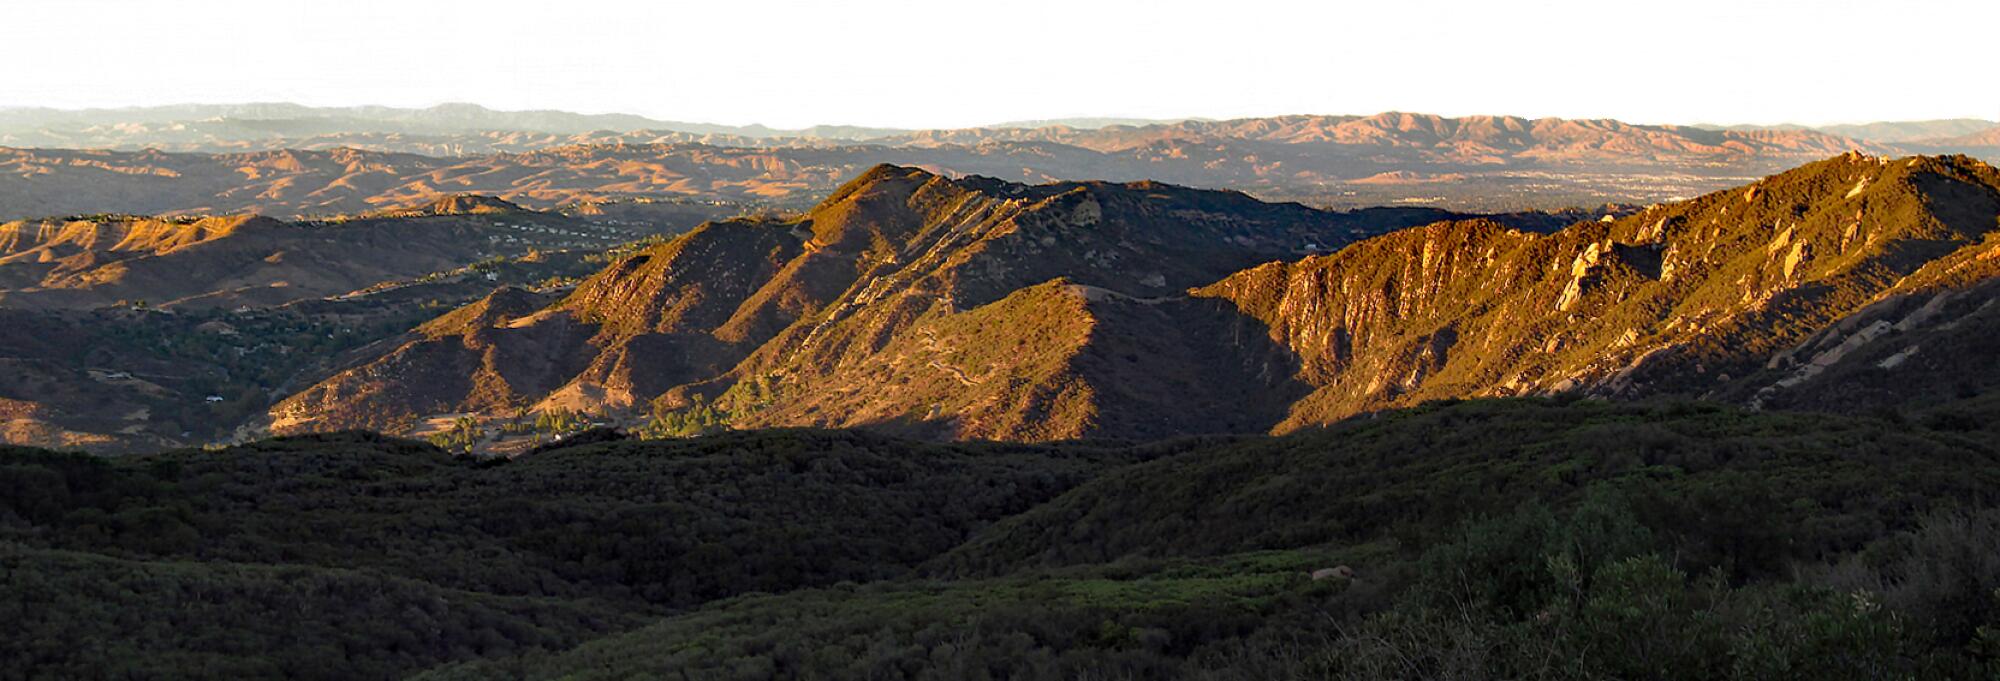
point(1885, 132)
point(221, 127)
point(166, 125)
point(224, 127)
point(334, 166)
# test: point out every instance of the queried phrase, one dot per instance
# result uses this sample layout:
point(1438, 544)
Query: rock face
point(1930, 339)
point(1669, 300)
point(976, 308)
point(1340, 572)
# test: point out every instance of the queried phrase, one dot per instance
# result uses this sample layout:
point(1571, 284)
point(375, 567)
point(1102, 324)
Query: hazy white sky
point(947, 64)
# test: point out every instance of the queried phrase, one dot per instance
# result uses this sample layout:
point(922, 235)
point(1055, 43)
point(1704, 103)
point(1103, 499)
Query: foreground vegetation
point(1500, 539)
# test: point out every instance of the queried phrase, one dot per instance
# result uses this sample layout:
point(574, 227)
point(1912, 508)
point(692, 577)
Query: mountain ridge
point(979, 309)
point(1500, 162)
point(896, 249)
point(268, 118)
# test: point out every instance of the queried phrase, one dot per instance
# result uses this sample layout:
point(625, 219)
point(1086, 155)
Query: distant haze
point(936, 65)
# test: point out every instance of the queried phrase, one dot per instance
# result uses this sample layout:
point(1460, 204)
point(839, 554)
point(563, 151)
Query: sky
point(940, 64)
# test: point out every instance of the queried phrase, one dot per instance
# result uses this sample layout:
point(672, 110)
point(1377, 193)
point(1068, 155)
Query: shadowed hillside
point(1477, 539)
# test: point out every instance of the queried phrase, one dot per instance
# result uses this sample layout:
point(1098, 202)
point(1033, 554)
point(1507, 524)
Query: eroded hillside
point(1681, 298)
point(908, 277)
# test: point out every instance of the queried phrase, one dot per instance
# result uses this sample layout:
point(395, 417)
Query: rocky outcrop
point(1671, 300)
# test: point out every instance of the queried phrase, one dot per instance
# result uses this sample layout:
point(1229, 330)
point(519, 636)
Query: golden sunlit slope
point(889, 277)
point(1684, 298)
point(980, 309)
